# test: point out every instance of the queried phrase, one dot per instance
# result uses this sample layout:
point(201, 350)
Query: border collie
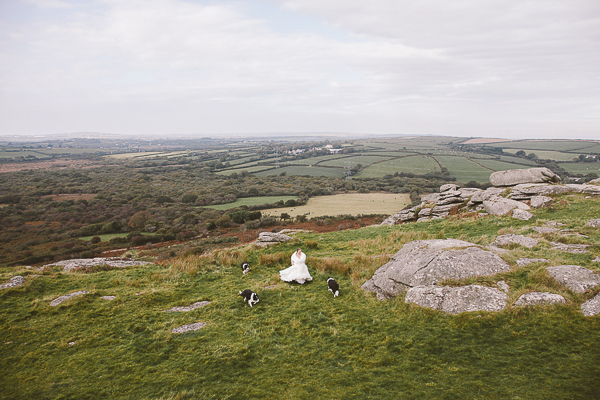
point(334, 287)
point(245, 267)
point(250, 297)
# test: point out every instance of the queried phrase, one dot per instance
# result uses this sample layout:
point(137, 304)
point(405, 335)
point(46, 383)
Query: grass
point(252, 201)
point(465, 170)
point(419, 164)
point(583, 168)
point(298, 341)
point(302, 170)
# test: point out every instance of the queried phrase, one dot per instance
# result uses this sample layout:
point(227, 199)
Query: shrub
point(311, 244)
point(95, 240)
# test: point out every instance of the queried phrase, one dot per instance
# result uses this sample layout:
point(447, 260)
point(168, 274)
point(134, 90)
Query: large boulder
point(576, 278)
point(516, 176)
point(265, 238)
point(455, 300)
point(15, 281)
point(427, 262)
point(522, 214)
point(530, 190)
point(541, 201)
point(591, 307)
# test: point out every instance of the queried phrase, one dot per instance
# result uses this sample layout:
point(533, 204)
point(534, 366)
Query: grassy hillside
point(299, 342)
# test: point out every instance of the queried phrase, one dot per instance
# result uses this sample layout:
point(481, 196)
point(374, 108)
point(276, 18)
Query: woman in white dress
point(298, 271)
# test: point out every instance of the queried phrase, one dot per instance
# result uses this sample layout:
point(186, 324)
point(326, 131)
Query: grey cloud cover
point(164, 67)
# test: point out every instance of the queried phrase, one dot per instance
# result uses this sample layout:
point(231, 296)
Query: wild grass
point(298, 341)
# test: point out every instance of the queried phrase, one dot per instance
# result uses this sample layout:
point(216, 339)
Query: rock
point(108, 297)
point(528, 191)
point(544, 229)
point(455, 300)
point(587, 189)
point(570, 248)
point(517, 176)
point(60, 299)
point(597, 259)
point(541, 201)
point(576, 278)
point(271, 237)
point(594, 223)
point(554, 223)
point(426, 262)
point(15, 281)
point(522, 214)
point(521, 262)
point(449, 186)
point(481, 196)
point(594, 182)
point(539, 298)
point(502, 205)
point(591, 307)
point(505, 240)
point(188, 328)
point(198, 304)
point(503, 286)
point(115, 262)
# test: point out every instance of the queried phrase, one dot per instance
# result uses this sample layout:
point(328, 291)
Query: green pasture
point(533, 146)
point(24, 153)
point(364, 160)
point(582, 168)
point(518, 160)
point(299, 342)
point(304, 170)
point(250, 168)
point(104, 238)
point(418, 164)
point(546, 154)
point(498, 165)
point(252, 201)
point(465, 170)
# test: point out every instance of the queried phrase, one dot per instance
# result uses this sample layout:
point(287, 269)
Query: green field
point(302, 170)
point(582, 168)
point(546, 154)
point(413, 164)
point(532, 146)
point(465, 170)
point(364, 160)
point(252, 201)
point(251, 168)
point(498, 165)
point(104, 238)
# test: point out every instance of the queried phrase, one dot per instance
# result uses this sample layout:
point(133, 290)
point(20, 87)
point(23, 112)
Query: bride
point(298, 271)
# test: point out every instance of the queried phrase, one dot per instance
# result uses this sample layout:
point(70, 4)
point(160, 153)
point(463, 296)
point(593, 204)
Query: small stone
point(71, 343)
point(597, 259)
point(539, 298)
point(522, 214)
point(504, 240)
point(188, 328)
point(544, 229)
point(554, 223)
point(108, 297)
point(60, 299)
point(540, 201)
point(521, 262)
point(591, 307)
point(503, 286)
point(570, 248)
point(594, 223)
point(15, 281)
point(198, 304)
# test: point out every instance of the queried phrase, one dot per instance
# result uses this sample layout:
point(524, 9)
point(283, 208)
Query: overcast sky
point(493, 68)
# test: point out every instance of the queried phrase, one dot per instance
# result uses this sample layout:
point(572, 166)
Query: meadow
point(346, 204)
point(299, 342)
point(251, 201)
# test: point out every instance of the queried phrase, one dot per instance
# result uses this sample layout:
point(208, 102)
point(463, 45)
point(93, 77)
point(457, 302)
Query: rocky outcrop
point(528, 191)
point(115, 262)
point(505, 240)
point(15, 281)
point(455, 300)
point(570, 248)
point(518, 176)
point(426, 262)
point(591, 307)
point(576, 278)
point(539, 298)
point(60, 299)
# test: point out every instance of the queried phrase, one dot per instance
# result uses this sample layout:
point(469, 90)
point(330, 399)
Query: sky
point(469, 68)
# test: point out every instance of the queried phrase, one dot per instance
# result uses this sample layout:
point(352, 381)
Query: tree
point(285, 216)
point(520, 153)
point(138, 221)
point(189, 198)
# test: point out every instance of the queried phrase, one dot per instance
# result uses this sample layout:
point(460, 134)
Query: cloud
point(162, 66)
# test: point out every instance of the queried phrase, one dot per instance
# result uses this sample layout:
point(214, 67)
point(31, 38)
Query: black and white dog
point(250, 297)
point(334, 287)
point(245, 267)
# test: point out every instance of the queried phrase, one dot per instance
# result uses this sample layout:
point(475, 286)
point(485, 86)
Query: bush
point(224, 221)
point(95, 240)
point(311, 244)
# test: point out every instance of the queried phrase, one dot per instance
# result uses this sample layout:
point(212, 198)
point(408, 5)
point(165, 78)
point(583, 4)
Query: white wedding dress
point(298, 271)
